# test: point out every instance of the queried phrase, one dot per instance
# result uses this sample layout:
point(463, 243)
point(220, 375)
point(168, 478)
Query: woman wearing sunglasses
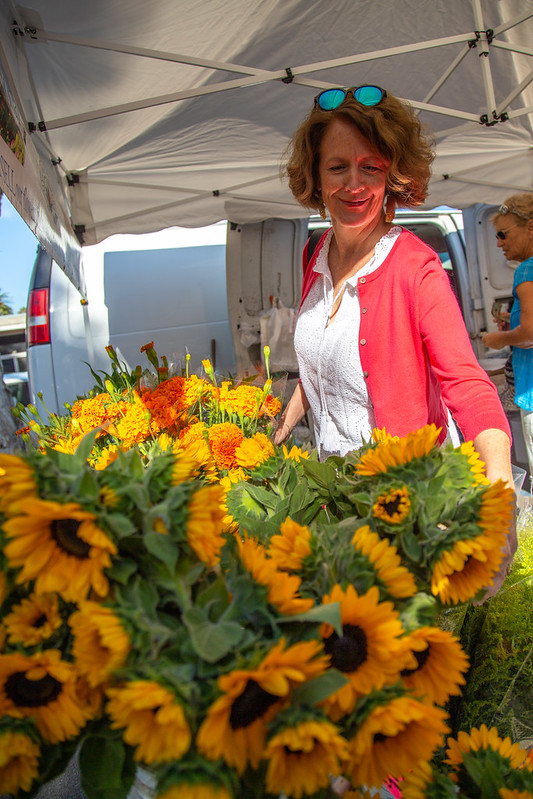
point(380, 338)
point(514, 233)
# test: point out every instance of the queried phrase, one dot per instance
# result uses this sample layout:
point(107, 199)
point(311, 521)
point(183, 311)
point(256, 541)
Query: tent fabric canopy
point(162, 113)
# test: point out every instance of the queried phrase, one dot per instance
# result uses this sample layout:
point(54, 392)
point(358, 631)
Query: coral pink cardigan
point(415, 351)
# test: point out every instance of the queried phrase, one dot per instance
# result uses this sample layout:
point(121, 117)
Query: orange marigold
point(223, 440)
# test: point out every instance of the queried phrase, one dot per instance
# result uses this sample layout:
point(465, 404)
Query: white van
point(209, 290)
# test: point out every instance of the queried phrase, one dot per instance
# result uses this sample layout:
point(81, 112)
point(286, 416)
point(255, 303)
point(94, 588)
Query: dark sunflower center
point(348, 651)
point(250, 705)
point(65, 534)
point(391, 506)
point(31, 693)
point(421, 658)
point(40, 621)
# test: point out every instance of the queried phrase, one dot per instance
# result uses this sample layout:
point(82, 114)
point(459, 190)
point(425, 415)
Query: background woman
point(380, 338)
point(514, 226)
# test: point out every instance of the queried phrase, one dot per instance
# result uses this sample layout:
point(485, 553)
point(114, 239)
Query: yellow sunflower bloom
point(153, 720)
point(196, 790)
point(369, 652)
point(290, 548)
point(441, 664)
point(105, 457)
point(477, 466)
point(60, 547)
point(43, 686)
point(472, 563)
point(393, 506)
point(205, 523)
point(393, 451)
point(19, 762)
point(514, 793)
point(17, 482)
point(252, 452)
point(482, 738)
point(235, 726)
point(192, 459)
point(33, 620)
point(283, 589)
point(108, 497)
point(416, 782)
point(295, 453)
point(394, 738)
point(384, 558)
point(101, 644)
point(301, 758)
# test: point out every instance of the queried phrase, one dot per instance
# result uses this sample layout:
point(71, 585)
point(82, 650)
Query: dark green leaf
point(316, 690)
point(211, 641)
point(162, 547)
point(107, 768)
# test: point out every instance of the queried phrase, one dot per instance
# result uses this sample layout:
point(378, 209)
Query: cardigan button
point(363, 341)
point(365, 374)
point(362, 280)
point(364, 310)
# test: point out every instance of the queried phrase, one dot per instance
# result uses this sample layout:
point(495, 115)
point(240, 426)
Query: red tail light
point(38, 318)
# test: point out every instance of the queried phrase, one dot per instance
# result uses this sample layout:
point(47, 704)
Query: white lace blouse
point(328, 356)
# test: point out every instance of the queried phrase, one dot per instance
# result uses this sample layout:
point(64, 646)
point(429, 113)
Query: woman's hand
point(495, 341)
point(282, 432)
point(296, 409)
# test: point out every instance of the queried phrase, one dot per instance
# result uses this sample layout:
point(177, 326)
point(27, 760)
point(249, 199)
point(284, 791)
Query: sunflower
point(477, 466)
point(467, 568)
point(205, 523)
point(33, 620)
point(235, 726)
point(195, 790)
point(19, 762)
point(369, 652)
point(394, 738)
point(398, 581)
point(60, 547)
point(391, 451)
point(393, 506)
point(104, 458)
point(44, 686)
point(283, 589)
point(497, 507)
point(301, 758)
point(101, 644)
point(252, 452)
point(290, 548)
point(514, 793)
point(294, 454)
point(441, 664)
point(224, 439)
point(425, 782)
point(192, 459)
point(17, 482)
point(153, 720)
point(481, 740)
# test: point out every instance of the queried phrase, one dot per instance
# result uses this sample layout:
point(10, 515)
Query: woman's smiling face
point(352, 176)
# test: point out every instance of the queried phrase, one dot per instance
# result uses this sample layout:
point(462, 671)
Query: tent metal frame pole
point(512, 23)
point(512, 95)
point(484, 55)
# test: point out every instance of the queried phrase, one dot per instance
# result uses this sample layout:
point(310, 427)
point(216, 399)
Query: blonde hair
point(392, 128)
point(519, 205)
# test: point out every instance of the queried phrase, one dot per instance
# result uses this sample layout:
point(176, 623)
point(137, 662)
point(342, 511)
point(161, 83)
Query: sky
point(18, 246)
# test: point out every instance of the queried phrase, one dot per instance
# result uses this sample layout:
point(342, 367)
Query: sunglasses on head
point(330, 99)
point(508, 209)
point(502, 234)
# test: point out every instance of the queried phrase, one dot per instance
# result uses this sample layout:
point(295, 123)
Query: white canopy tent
point(150, 113)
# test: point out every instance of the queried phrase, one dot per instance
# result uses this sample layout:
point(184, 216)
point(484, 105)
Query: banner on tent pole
point(25, 181)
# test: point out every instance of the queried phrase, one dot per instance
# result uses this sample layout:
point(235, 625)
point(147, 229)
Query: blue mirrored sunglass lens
point(368, 95)
point(330, 99)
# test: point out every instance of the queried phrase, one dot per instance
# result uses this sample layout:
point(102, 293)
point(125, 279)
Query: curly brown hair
point(392, 127)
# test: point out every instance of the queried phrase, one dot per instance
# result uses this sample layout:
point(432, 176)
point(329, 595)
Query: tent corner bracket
point(289, 76)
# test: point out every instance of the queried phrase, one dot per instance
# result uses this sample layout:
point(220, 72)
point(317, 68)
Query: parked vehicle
point(208, 291)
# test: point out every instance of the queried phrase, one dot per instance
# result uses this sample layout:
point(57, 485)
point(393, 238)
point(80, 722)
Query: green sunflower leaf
point(316, 690)
point(240, 501)
point(322, 614)
point(211, 641)
point(162, 547)
point(410, 545)
point(107, 767)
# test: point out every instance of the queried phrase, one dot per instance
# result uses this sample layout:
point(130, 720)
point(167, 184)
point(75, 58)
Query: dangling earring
point(322, 209)
point(389, 209)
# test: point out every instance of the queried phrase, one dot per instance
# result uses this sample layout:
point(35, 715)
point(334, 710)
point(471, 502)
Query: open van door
point(491, 286)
